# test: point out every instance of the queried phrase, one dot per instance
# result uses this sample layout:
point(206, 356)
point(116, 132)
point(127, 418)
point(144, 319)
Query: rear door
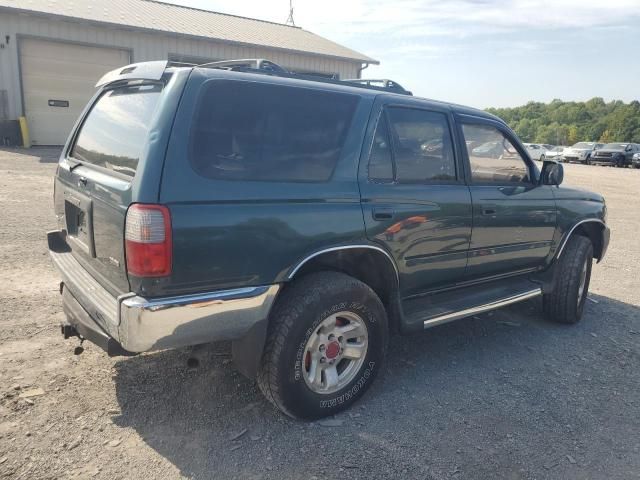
point(414, 199)
point(514, 218)
point(94, 181)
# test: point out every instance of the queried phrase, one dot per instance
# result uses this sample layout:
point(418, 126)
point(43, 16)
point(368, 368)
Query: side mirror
point(552, 173)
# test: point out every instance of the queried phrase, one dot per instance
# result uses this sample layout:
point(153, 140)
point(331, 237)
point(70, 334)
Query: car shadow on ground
point(502, 392)
point(43, 154)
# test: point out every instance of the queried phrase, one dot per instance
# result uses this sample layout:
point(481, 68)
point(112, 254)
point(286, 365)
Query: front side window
point(492, 157)
point(115, 131)
point(418, 142)
point(252, 131)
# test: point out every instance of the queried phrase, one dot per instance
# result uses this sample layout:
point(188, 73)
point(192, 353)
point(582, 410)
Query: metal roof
point(156, 16)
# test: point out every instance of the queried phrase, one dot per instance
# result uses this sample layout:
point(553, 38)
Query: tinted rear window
point(251, 131)
point(114, 133)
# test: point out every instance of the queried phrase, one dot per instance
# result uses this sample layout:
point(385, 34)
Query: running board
point(467, 312)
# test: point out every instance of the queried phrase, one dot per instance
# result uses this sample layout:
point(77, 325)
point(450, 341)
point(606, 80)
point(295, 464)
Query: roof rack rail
point(261, 65)
point(381, 83)
point(246, 63)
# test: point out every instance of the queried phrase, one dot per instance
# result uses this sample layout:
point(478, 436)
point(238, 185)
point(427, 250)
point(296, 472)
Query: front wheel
point(326, 343)
point(566, 303)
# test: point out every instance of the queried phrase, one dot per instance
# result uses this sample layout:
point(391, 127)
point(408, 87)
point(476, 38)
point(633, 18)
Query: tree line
point(565, 123)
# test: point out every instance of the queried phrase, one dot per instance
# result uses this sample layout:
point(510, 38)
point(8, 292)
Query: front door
point(414, 199)
point(514, 218)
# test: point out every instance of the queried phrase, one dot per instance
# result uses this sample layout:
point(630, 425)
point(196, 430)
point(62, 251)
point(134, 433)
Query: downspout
point(366, 64)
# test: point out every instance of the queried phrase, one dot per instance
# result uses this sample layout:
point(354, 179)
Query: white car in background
point(555, 153)
point(536, 151)
point(581, 152)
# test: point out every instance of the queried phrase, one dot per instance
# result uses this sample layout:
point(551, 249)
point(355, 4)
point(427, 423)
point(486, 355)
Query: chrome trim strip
point(449, 317)
point(345, 247)
point(568, 235)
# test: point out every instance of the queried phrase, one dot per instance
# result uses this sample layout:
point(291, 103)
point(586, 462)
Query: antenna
point(290, 20)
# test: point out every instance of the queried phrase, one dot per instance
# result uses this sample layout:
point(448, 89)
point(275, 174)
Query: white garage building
point(52, 52)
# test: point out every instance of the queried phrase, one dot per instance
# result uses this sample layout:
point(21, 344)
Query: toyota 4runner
point(305, 221)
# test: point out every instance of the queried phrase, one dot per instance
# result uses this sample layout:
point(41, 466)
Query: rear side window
point(412, 146)
point(115, 131)
point(423, 150)
point(251, 131)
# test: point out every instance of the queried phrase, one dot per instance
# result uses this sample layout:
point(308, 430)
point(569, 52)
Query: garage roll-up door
point(57, 81)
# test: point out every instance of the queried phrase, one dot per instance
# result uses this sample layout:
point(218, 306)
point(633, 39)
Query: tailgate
point(93, 186)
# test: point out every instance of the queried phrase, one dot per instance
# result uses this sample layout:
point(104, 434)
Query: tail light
point(147, 237)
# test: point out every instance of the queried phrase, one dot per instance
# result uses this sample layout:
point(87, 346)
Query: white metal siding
point(64, 72)
point(143, 45)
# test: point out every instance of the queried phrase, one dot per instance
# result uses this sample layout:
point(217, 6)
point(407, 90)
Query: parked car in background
point(489, 149)
point(536, 151)
point(555, 153)
point(635, 160)
point(616, 154)
point(581, 152)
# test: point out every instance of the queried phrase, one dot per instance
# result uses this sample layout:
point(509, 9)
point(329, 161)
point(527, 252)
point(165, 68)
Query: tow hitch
point(69, 331)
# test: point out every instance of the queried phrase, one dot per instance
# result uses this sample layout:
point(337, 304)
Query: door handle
point(383, 213)
point(488, 211)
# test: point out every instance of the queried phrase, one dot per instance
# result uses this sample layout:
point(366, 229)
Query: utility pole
point(290, 20)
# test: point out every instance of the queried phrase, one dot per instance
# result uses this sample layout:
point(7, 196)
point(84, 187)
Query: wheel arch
point(370, 264)
point(591, 228)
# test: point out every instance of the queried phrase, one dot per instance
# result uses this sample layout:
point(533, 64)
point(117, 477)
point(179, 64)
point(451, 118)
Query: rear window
point(114, 133)
point(251, 131)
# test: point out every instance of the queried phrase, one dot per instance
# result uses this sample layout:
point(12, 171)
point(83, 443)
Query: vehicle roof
point(337, 86)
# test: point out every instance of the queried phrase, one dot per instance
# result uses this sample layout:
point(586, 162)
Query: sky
point(482, 53)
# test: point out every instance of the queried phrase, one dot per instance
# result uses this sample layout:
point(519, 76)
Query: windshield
point(615, 146)
point(583, 145)
point(557, 149)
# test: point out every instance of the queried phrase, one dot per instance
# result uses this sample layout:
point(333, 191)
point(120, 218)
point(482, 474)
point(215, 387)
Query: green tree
point(561, 122)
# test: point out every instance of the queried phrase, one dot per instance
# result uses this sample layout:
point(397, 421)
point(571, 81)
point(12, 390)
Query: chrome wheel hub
point(335, 352)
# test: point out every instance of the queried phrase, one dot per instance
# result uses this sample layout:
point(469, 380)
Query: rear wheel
point(566, 303)
point(326, 343)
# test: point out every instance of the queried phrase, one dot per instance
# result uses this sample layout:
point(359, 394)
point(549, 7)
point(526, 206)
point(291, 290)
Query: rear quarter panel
point(230, 234)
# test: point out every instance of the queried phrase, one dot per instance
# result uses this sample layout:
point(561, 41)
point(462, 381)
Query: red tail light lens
point(147, 238)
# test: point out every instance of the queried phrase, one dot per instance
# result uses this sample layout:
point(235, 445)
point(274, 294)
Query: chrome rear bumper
point(140, 324)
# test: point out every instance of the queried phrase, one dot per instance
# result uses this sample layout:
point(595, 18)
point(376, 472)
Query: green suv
point(304, 220)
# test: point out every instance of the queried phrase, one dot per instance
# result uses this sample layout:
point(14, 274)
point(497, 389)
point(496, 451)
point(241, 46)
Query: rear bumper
point(132, 324)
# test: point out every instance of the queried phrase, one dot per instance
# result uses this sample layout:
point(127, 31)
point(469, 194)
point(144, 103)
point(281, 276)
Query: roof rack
point(382, 83)
point(260, 65)
point(246, 63)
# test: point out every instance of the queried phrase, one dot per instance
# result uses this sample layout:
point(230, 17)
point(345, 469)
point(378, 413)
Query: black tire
point(295, 317)
point(587, 161)
point(563, 304)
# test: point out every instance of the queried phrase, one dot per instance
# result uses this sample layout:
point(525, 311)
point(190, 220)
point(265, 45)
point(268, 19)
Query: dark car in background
point(615, 154)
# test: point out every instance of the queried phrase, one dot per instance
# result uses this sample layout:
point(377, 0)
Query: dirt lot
point(503, 395)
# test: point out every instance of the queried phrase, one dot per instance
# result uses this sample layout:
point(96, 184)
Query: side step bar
point(467, 312)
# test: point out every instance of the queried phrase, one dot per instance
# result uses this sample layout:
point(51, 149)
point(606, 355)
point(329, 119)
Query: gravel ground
point(502, 395)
